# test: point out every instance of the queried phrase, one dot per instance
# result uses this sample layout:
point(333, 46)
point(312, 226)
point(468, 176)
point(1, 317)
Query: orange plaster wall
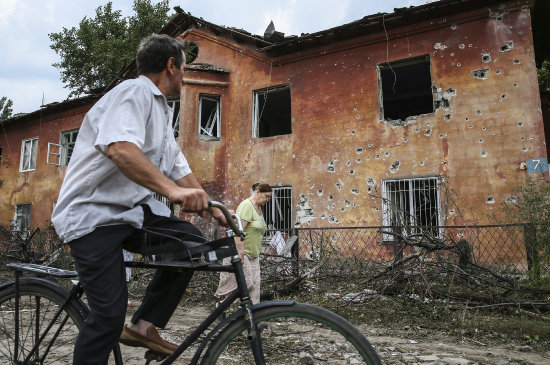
point(40, 186)
point(477, 144)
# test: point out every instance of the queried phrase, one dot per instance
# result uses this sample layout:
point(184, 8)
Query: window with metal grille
point(28, 154)
point(411, 205)
point(209, 117)
point(405, 88)
point(278, 211)
point(175, 105)
point(272, 112)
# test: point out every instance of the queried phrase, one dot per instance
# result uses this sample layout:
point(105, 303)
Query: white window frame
point(175, 116)
point(58, 154)
point(279, 195)
point(212, 130)
point(67, 145)
point(408, 195)
point(28, 154)
point(22, 219)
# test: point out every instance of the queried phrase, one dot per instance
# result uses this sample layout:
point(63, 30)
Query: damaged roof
point(51, 109)
point(371, 24)
point(281, 46)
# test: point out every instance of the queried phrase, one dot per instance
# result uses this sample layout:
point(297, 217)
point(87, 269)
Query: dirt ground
point(392, 344)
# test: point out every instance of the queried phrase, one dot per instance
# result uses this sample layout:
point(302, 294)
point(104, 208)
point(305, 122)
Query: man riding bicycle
point(124, 152)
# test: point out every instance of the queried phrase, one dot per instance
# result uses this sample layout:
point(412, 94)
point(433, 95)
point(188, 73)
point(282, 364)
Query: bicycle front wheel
point(294, 334)
point(39, 302)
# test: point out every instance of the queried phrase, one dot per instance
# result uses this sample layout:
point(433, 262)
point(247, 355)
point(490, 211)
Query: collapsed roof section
point(372, 24)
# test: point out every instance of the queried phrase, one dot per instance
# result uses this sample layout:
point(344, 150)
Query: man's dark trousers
point(100, 265)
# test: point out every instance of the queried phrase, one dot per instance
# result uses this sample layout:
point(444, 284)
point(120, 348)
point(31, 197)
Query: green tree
point(544, 75)
point(530, 205)
point(93, 54)
point(5, 108)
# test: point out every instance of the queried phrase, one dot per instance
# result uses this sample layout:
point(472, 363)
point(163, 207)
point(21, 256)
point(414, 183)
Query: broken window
point(209, 116)
point(192, 53)
point(22, 219)
point(175, 105)
point(272, 112)
point(411, 206)
point(68, 140)
point(28, 154)
point(405, 88)
point(278, 211)
point(60, 154)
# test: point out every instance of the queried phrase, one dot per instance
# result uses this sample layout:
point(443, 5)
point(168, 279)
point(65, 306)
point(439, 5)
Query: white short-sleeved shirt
point(95, 192)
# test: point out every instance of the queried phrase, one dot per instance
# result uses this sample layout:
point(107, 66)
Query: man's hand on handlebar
point(196, 201)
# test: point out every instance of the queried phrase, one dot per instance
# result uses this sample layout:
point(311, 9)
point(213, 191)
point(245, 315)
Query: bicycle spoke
point(37, 310)
point(298, 334)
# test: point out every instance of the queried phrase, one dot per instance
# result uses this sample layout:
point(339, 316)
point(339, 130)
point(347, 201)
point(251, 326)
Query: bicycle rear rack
point(42, 270)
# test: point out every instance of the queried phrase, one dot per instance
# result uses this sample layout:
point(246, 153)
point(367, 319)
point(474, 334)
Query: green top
point(254, 230)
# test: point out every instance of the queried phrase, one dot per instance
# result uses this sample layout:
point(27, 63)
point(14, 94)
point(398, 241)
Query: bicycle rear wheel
point(39, 301)
point(294, 334)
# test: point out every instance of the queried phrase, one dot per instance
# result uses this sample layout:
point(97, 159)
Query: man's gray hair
point(154, 51)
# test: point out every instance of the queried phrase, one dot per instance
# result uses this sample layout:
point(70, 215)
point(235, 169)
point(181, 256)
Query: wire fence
point(511, 248)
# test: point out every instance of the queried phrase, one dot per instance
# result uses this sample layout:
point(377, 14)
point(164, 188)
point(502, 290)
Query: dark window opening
point(272, 115)
point(406, 88)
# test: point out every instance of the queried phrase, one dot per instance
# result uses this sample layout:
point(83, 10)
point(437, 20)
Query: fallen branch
point(474, 341)
point(535, 315)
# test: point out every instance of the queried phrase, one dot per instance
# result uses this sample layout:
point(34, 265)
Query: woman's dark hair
point(155, 50)
point(263, 188)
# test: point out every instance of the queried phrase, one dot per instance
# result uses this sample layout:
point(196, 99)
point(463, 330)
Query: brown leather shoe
point(153, 341)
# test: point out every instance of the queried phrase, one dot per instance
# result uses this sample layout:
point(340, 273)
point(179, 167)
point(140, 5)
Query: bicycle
point(40, 319)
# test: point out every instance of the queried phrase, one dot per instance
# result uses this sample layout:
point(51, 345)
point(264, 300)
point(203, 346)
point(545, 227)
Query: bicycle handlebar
point(234, 221)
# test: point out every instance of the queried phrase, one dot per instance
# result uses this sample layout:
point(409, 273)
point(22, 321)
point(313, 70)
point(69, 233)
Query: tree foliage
point(5, 108)
point(93, 54)
point(544, 75)
point(530, 205)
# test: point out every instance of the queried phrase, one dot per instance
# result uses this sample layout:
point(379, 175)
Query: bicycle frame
point(76, 292)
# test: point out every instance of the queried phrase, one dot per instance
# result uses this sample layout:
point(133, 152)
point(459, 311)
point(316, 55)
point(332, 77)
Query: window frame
point(218, 109)
point(412, 205)
point(256, 112)
point(33, 152)
point(65, 155)
point(273, 208)
point(175, 116)
point(22, 226)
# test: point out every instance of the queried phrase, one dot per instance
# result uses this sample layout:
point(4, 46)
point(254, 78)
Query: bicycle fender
point(53, 286)
point(273, 303)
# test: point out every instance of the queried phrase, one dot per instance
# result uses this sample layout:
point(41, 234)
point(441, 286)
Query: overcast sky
point(26, 72)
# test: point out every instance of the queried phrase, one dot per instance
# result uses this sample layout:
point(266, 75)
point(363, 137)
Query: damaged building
point(360, 125)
